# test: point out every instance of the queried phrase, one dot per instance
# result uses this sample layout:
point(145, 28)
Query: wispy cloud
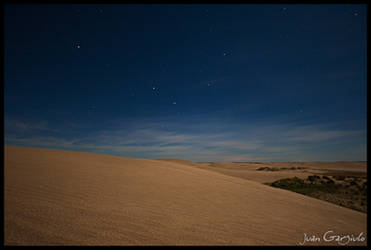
point(315, 133)
point(202, 140)
point(242, 158)
point(42, 141)
point(25, 126)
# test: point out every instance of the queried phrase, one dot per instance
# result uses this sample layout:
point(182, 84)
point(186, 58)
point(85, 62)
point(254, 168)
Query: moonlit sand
point(56, 197)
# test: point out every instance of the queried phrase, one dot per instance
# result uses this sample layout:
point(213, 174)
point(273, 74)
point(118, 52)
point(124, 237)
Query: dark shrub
point(310, 178)
point(353, 183)
point(339, 177)
point(289, 183)
point(329, 181)
point(313, 178)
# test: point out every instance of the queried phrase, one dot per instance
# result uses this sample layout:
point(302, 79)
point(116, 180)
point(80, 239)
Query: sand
point(249, 170)
point(56, 197)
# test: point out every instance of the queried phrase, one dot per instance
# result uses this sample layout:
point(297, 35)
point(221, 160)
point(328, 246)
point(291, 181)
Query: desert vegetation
point(279, 169)
point(345, 191)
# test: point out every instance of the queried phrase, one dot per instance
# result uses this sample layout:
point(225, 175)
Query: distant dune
point(56, 197)
point(247, 170)
point(184, 162)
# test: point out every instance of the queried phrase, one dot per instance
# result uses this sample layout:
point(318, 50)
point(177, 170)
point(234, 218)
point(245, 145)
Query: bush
point(339, 177)
point(353, 183)
point(300, 186)
point(267, 169)
point(329, 181)
point(289, 183)
point(313, 178)
point(338, 193)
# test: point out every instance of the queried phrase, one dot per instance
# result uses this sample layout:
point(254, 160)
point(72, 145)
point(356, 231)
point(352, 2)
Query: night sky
point(195, 82)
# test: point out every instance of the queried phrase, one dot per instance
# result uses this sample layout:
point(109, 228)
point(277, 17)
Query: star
point(226, 53)
point(78, 46)
point(153, 88)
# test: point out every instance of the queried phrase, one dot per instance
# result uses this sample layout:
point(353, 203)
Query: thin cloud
point(212, 141)
point(242, 158)
point(27, 126)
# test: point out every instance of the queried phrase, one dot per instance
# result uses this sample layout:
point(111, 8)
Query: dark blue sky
point(197, 82)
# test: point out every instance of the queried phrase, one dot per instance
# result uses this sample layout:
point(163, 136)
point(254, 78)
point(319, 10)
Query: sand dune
point(55, 197)
point(183, 162)
point(247, 170)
